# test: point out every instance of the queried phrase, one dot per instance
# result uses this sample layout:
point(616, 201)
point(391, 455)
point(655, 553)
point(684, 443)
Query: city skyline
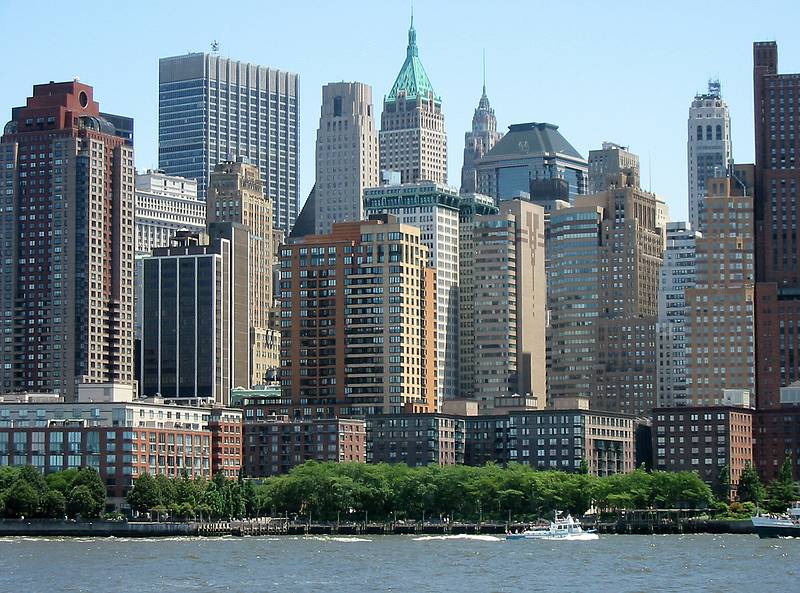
point(654, 128)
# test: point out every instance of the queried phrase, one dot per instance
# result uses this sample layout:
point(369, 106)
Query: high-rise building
point(720, 331)
point(214, 109)
point(509, 307)
point(432, 208)
point(574, 277)
point(236, 195)
point(605, 265)
point(777, 203)
point(358, 334)
point(66, 244)
point(606, 164)
point(677, 275)
point(412, 137)
point(347, 154)
point(471, 208)
point(164, 205)
point(194, 312)
point(709, 149)
point(530, 152)
point(477, 142)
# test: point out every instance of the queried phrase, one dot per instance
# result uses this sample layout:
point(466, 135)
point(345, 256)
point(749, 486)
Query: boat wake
point(326, 538)
point(480, 538)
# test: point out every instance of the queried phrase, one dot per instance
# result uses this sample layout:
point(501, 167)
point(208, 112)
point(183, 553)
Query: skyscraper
point(605, 262)
point(509, 303)
point(777, 204)
point(214, 109)
point(720, 341)
point(677, 275)
point(606, 164)
point(194, 311)
point(478, 142)
point(358, 322)
point(347, 154)
point(165, 204)
point(66, 243)
point(236, 195)
point(709, 146)
point(434, 209)
point(528, 153)
point(412, 137)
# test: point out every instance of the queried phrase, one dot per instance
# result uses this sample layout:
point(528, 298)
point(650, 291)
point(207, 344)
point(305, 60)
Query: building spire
point(484, 72)
point(412, 38)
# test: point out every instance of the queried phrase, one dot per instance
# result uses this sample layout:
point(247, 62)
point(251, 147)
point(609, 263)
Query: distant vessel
point(787, 525)
point(561, 528)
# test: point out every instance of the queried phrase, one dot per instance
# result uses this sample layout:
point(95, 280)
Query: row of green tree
point(775, 496)
point(358, 492)
point(24, 492)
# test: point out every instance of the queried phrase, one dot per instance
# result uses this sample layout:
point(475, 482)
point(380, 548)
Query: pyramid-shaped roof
point(412, 79)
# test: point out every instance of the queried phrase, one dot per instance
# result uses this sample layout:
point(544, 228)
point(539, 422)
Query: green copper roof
point(412, 78)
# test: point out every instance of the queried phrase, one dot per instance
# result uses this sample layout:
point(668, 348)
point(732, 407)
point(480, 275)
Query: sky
point(618, 71)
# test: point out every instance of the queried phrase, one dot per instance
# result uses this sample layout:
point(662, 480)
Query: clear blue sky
point(619, 71)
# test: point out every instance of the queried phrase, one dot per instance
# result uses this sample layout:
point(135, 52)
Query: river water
point(475, 564)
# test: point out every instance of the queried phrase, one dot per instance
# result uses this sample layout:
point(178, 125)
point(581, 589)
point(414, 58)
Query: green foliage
point(21, 500)
point(52, 504)
point(83, 502)
point(750, 488)
point(783, 490)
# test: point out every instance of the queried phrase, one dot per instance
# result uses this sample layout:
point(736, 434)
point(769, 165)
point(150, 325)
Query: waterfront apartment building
point(358, 322)
point(471, 208)
point(66, 244)
point(412, 137)
point(434, 209)
point(274, 444)
point(415, 439)
point(236, 195)
point(562, 438)
point(165, 204)
point(606, 164)
point(213, 109)
point(195, 313)
point(478, 141)
point(121, 437)
point(709, 151)
point(509, 294)
point(347, 154)
point(709, 440)
point(720, 330)
point(677, 275)
point(530, 152)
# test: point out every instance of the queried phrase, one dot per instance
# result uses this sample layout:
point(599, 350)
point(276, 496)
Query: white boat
point(561, 528)
point(787, 525)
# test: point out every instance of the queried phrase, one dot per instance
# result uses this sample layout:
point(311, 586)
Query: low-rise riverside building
point(705, 439)
point(121, 437)
point(563, 438)
point(415, 439)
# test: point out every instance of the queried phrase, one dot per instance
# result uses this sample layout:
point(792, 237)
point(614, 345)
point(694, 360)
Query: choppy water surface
point(618, 564)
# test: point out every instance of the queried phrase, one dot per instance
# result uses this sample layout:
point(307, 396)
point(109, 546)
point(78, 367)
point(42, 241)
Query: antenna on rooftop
point(215, 46)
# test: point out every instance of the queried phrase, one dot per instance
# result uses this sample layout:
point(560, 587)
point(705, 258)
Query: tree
point(82, 501)
point(750, 488)
point(783, 490)
point(20, 499)
point(723, 488)
point(52, 504)
point(145, 494)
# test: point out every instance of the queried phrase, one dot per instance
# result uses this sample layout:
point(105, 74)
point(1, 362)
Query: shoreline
point(280, 527)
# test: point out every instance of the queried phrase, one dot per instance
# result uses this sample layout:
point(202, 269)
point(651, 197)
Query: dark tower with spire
point(480, 140)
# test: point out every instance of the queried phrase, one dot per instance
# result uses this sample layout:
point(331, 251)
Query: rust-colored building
point(67, 230)
point(705, 440)
point(358, 333)
point(275, 444)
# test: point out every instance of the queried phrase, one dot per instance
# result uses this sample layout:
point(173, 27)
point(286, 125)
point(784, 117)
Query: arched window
point(699, 132)
point(708, 133)
point(719, 132)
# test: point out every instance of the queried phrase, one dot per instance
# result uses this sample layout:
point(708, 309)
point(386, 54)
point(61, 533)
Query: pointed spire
point(412, 38)
point(484, 72)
